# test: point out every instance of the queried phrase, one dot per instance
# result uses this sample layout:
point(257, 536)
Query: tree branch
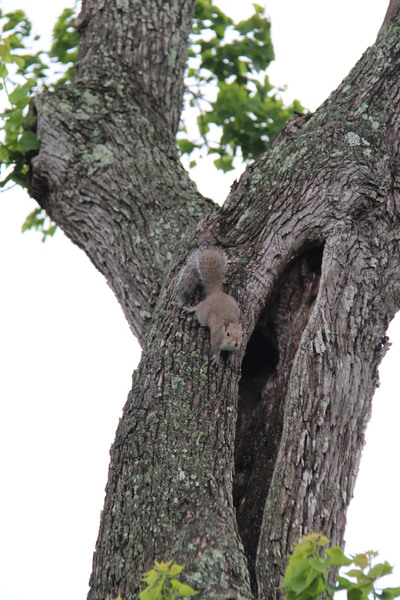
point(143, 40)
point(108, 170)
point(393, 7)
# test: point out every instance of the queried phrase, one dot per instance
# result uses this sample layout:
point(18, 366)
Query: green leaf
point(363, 560)
point(380, 570)
point(162, 566)
point(5, 53)
point(355, 594)
point(186, 146)
point(150, 577)
point(389, 593)
point(337, 557)
point(175, 570)
point(16, 18)
point(316, 588)
point(151, 593)
point(225, 163)
point(21, 94)
point(182, 588)
point(330, 589)
point(3, 70)
point(297, 573)
point(19, 61)
point(18, 178)
point(357, 573)
point(344, 583)
point(29, 141)
point(259, 9)
point(317, 565)
point(39, 221)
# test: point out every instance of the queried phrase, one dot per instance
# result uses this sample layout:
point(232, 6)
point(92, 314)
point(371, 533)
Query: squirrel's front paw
point(215, 360)
point(188, 309)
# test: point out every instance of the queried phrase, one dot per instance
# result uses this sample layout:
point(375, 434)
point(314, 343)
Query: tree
point(311, 231)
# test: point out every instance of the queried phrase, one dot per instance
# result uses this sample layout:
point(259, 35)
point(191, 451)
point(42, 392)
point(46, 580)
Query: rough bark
point(108, 170)
point(394, 6)
point(224, 469)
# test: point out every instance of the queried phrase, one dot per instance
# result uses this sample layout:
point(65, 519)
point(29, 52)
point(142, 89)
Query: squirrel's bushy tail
point(205, 267)
point(211, 266)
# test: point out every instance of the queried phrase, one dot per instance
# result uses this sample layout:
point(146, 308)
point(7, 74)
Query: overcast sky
point(67, 355)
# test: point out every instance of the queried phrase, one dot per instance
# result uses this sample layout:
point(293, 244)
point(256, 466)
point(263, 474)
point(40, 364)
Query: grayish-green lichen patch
point(353, 138)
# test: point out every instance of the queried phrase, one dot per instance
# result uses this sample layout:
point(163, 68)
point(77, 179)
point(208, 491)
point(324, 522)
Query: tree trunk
point(225, 468)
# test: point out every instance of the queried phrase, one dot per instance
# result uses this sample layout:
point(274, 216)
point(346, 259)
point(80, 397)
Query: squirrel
point(218, 311)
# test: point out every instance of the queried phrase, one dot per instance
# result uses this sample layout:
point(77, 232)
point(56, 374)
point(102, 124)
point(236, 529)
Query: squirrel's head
point(232, 336)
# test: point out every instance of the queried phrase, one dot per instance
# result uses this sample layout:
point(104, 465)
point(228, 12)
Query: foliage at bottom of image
point(163, 582)
point(311, 564)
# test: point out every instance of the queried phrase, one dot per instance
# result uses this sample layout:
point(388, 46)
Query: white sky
point(67, 355)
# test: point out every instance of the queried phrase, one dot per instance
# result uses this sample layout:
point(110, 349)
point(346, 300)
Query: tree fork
point(108, 164)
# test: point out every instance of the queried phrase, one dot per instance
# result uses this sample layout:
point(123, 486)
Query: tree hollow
point(262, 388)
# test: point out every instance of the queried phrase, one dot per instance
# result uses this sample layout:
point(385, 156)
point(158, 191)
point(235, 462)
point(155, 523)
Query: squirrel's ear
point(226, 323)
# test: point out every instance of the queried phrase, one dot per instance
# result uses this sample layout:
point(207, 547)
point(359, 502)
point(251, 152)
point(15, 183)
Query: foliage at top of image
point(312, 562)
point(22, 72)
point(237, 112)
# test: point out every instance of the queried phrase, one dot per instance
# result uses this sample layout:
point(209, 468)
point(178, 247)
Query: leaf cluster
point(17, 79)
point(227, 61)
point(163, 583)
point(23, 71)
point(363, 579)
point(311, 563)
point(39, 220)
